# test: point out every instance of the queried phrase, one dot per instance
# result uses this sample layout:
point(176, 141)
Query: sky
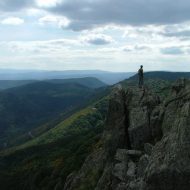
point(111, 35)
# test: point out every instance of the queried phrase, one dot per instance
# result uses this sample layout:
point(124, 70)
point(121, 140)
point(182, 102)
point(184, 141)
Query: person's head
point(141, 66)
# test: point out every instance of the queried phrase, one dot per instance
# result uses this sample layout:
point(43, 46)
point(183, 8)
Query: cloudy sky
point(113, 35)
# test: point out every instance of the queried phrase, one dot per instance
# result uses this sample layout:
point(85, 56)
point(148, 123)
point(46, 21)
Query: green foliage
point(45, 162)
point(27, 107)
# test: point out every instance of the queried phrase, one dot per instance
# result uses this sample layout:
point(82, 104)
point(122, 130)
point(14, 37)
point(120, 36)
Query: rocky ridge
point(145, 145)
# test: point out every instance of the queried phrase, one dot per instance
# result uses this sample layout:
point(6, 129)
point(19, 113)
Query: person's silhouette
point(141, 77)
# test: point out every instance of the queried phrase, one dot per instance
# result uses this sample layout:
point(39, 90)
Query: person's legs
point(140, 82)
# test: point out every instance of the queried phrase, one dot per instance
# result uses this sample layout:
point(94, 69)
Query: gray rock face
point(169, 166)
point(134, 153)
point(148, 148)
point(142, 165)
point(145, 145)
point(119, 171)
point(121, 155)
point(141, 107)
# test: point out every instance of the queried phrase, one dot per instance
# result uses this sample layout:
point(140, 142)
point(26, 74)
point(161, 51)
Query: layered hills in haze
point(104, 76)
point(87, 81)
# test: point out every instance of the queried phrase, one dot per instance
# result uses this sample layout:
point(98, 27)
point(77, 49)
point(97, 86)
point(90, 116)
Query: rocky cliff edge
point(145, 145)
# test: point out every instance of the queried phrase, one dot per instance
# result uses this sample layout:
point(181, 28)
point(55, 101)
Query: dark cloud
point(172, 51)
point(86, 14)
point(15, 5)
point(184, 33)
point(89, 13)
point(98, 39)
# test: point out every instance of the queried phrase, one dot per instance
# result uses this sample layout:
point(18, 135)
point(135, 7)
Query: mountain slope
point(26, 107)
point(5, 84)
point(44, 162)
point(89, 82)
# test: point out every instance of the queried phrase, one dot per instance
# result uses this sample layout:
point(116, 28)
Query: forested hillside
point(24, 108)
point(45, 161)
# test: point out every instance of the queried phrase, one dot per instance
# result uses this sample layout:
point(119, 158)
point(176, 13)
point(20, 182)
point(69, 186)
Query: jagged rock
point(141, 107)
point(104, 181)
point(148, 148)
point(122, 186)
point(133, 185)
point(136, 118)
point(115, 131)
point(131, 169)
point(58, 185)
point(69, 180)
point(120, 170)
point(142, 164)
point(89, 173)
point(156, 123)
point(136, 185)
point(134, 153)
point(169, 167)
point(121, 155)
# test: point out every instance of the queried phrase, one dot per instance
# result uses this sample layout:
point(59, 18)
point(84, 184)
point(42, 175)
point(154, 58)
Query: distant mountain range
point(104, 76)
point(87, 81)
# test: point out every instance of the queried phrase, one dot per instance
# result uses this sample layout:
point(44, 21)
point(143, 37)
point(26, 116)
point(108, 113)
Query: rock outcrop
point(145, 145)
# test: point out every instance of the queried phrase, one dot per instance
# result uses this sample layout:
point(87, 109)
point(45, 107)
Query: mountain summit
point(145, 144)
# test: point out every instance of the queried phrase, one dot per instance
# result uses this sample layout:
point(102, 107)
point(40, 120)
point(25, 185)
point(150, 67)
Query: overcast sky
point(113, 35)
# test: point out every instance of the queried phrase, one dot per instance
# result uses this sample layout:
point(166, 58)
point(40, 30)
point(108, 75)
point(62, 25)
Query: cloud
point(172, 51)
point(60, 21)
point(47, 46)
point(180, 30)
point(137, 48)
point(97, 39)
point(34, 12)
point(47, 3)
point(87, 13)
point(178, 34)
point(12, 21)
point(15, 5)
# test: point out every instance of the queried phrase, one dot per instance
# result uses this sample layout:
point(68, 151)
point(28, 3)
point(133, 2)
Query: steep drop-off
point(145, 144)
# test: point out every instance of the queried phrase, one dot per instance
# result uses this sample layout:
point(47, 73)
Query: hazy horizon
point(86, 70)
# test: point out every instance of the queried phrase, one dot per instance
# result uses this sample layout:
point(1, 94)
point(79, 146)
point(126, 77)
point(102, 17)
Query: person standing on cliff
point(141, 77)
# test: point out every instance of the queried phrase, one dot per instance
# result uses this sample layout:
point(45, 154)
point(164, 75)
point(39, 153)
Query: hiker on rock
point(141, 77)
